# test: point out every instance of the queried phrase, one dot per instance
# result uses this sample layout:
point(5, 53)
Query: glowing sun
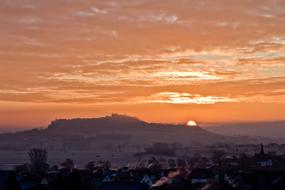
point(191, 123)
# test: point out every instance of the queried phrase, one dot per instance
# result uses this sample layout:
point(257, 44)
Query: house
point(108, 179)
point(44, 182)
point(200, 177)
point(121, 185)
point(146, 176)
point(235, 180)
point(265, 163)
point(147, 180)
point(269, 180)
point(230, 162)
point(128, 179)
point(8, 181)
point(110, 176)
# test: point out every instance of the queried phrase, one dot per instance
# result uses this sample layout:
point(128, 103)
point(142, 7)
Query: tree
point(153, 164)
point(90, 166)
point(38, 159)
point(107, 164)
point(171, 163)
point(217, 156)
point(160, 149)
point(181, 163)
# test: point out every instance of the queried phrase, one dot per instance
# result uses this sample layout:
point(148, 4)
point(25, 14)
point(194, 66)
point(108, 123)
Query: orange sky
point(162, 60)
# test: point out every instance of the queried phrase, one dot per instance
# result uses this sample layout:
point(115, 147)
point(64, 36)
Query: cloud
point(153, 18)
point(194, 52)
point(30, 20)
point(51, 95)
point(186, 98)
point(99, 11)
point(93, 11)
point(171, 19)
point(114, 33)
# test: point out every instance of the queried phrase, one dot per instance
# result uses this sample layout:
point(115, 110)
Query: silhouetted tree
point(181, 163)
point(38, 158)
point(171, 163)
point(160, 149)
point(107, 165)
point(244, 161)
point(153, 164)
point(68, 177)
point(120, 148)
point(217, 156)
point(90, 166)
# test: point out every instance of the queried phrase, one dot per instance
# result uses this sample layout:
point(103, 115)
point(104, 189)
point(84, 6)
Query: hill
point(109, 130)
point(116, 137)
point(133, 129)
point(273, 129)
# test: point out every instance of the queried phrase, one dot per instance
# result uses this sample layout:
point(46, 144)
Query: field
point(8, 159)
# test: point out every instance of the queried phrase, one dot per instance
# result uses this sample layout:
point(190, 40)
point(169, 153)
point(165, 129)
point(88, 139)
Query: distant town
point(241, 167)
point(119, 152)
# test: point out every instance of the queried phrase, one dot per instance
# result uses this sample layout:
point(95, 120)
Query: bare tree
point(217, 156)
point(38, 159)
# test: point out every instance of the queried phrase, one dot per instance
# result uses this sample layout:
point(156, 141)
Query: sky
point(160, 60)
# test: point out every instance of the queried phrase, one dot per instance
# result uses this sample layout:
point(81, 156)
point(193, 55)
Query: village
point(262, 170)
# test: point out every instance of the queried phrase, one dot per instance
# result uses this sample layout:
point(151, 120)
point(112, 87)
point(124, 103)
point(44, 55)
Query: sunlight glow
point(191, 123)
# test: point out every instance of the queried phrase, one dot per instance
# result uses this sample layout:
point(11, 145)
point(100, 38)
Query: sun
point(191, 123)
